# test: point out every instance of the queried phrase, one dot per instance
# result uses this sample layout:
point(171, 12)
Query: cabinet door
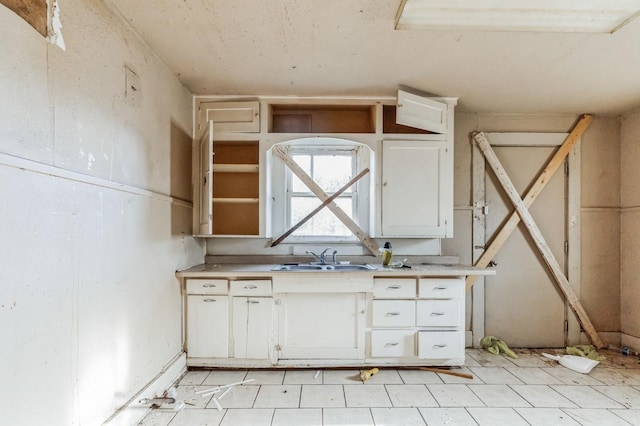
point(321, 326)
point(207, 326)
point(205, 182)
point(420, 112)
point(252, 326)
point(242, 116)
point(416, 189)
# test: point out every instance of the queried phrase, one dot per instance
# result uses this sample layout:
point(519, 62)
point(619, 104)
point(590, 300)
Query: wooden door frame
point(572, 225)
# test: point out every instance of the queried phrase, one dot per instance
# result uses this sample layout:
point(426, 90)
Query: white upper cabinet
point(416, 199)
point(241, 116)
point(204, 181)
point(422, 113)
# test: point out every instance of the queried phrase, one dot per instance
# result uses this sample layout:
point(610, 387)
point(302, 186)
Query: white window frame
point(361, 190)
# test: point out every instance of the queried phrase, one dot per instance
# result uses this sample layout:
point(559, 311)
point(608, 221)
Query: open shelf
point(322, 119)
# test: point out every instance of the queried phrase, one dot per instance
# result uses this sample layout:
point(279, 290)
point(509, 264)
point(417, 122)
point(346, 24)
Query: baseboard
point(132, 412)
point(631, 342)
point(607, 337)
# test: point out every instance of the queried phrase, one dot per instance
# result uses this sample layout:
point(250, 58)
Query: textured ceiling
point(350, 47)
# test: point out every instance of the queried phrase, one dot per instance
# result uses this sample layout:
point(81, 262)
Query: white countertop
point(261, 270)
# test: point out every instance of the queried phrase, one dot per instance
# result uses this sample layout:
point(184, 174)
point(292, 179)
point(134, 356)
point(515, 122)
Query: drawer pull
point(208, 285)
point(253, 302)
point(391, 344)
point(393, 287)
point(440, 346)
point(209, 300)
point(439, 288)
point(250, 287)
point(392, 314)
point(437, 314)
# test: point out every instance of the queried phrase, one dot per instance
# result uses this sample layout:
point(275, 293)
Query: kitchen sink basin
point(328, 267)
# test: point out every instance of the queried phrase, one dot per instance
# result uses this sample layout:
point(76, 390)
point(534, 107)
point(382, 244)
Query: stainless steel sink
point(327, 267)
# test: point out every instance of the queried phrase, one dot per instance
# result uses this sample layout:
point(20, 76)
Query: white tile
point(347, 416)
point(198, 416)
point(542, 396)
point(244, 417)
point(595, 417)
point(447, 416)
point(469, 361)
point(366, 396)
point(625, 395)
point(342, 377)
point(190, 398)
point(385, 377)
point(498, 396)
point(632, 416)
point(454, 396)
point(410, 396)
point(303, 377)
point(274, 377)
point(397, 417)
point(224, 377)
point(497, 416)
point(320, 396)
point(570, 377)
point(586, 397)
point(534, 376)
point(495, 376)
point(158, 418)
point(194, 378)
point(238, 397)
point(297, 417)
point(278, 396)
point(417, 377)
point(487, 359)
point(527, 359)
point(546, 417)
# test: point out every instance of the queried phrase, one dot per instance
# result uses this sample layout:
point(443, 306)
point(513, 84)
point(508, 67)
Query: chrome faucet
point(322, 257)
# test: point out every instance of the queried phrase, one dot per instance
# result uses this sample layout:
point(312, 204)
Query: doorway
point(522, 302)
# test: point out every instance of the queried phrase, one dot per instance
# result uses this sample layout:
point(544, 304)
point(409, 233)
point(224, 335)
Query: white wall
point(93, 221)
point(630, 226)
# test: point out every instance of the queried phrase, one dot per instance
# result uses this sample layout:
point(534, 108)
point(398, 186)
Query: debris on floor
point(585, 351)
point(226, 388)
point(496, 346)
point(366, 375)
point(168, 397)
point(573, 362)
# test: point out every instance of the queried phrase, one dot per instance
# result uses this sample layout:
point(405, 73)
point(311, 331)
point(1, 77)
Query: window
point(331, 168)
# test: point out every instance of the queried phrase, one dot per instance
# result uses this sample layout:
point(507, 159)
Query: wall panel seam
point(57, 172)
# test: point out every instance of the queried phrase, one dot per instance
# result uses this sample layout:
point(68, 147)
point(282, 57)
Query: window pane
point(322, 223)
point(332, 172)
point(304, 161)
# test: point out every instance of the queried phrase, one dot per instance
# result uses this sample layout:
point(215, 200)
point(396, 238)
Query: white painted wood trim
point(132, 412)
point(57, 172)
point(478, 229)
point(573, 226)
point(525, 139)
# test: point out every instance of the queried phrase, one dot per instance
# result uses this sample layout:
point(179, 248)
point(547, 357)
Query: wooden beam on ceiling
point(34, 12)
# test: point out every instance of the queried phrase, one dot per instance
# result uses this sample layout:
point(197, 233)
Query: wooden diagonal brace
point(556, 161)
point(320, 207)
point(318, 192)
point(538, 239)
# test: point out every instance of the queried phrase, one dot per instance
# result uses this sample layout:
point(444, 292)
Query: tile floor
point(530, 390)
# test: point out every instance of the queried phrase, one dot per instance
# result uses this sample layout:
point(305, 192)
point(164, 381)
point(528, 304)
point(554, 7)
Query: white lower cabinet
point(393, 343)
point(440, 345)
point(252, 327)
point(321, 326)
point(207, 326)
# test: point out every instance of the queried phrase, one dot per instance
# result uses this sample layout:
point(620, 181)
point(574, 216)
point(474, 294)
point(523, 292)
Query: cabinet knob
point(393, 287)
point(208, 285)
point(253, 302)
point(439, 288)
point(437, 314)
point(439, 346)
point(391, 344)
point(392, 314)
point(250, 287)
point(209, 300)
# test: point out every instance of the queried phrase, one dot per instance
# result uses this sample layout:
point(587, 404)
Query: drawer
point(394, 288)
point(440, 344)
point(439, 313)
point(198, 286)
point(393, 343)
point(394, 313)
point(251, 288)
point(440, 288)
